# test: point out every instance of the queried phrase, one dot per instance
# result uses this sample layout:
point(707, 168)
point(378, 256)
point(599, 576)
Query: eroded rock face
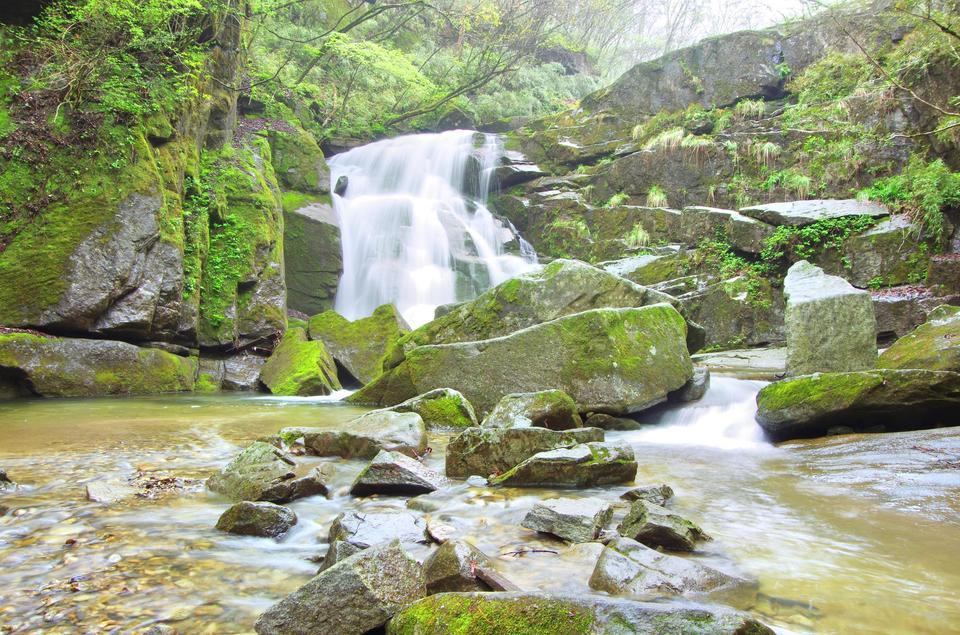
point(395, 474)
point(365, 436)
point(572, 519)
point(586, 465)
point(453, 568)
point(263, 519)
point(877, 400)
point(300, 367)
point(934, 345)
point(360, 344)
point(552, 409)
point(313, 258)
point(657, 527)
point(484, 451)
point(356, 595)
point(830, 325)
point(262, 472)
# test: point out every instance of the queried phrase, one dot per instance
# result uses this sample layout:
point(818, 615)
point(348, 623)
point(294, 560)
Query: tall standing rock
point(312, 256)
point(830, 325)
point(299, 367)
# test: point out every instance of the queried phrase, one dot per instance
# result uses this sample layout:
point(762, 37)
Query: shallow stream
point(846, 534)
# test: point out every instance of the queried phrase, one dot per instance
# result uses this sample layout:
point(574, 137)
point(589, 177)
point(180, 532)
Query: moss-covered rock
point(365, 436)
point(312, 254)
point(934, 345)
point(656, 527)
point(298, 161)
point(261, 472)
point(300, 367)
point(485, 451)
point(878, 400)
point(453, 568)
point(442, 408)
point(552, 409)
point(359, 345)
point(737, 312)
point(72, 367)
point(609, 360)
point(587, 465)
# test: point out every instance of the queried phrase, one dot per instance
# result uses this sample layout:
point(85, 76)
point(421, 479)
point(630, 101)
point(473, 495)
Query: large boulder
point(617, 361)
point(877, 400)
point(830, 325)
point(262, 472)
point(572, 519)
point(736, 312)
point(801, 213)
point(263, 519)
point(453, 568)
point(744, 233)
point(523, 612)
point(70, 367)
point(656, 527)
point(360, 344)
point(396, 474)
point(627, 567)
point(484, 451)
point(356, 595)
point(552, 409)
point(241, 372)
point(441, 408)
point(365, 436)
point(299, 367)
point(312, 256)
point(934, 345)
point(586, 465)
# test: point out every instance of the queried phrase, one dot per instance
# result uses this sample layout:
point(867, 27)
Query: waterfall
point(414, 224)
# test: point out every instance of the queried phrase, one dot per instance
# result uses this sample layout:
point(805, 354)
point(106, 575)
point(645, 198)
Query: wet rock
point(242, 372)
point(900, 310)
point(312, 256)
point(553, 409)
point(586, 465)
point(617, 361)
point(453, 568)
point(5, 482)
point(365, 436)
point(830, 325)
point(801, 213)
point(263, 519)
point(314, 483)
point(657, 527)
point(263, 472)
point(524, 612)
point(299, 367)
point(760, 363)
point(572, 519)
point(696, 388)
point(736, 312)
point(395, 474)
point(656, 494)
point(210, 375)
point(744, 233)
point(440, 408)
point(354, 531)
point(356, 595)
point(341, 187)
point(609, 422)
point(934, 345)
point(628, 567)
point(359, 345)
point(875, 400)
point(484, 451)
point(110, 491)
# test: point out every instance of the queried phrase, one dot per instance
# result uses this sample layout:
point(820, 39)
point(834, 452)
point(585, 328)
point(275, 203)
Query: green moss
point(488, 615)
point(299, 367)
point(444, 412)
point(818, 393)
point(206, 383)
point(292, 200)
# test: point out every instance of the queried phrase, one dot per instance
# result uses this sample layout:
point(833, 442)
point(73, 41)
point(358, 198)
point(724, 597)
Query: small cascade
point(415, 227)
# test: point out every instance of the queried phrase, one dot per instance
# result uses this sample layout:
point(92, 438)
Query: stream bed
point(848, 534)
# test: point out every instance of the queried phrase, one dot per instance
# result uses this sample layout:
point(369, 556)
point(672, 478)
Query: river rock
point(453, 567)
point(609, 422)
point(656, 494)
point(356, 595)
point(365, 436)
point(525, 612)
point(72, 367)
point(5, 482)
point(242, 372)
point(801, 213)
point(395, 474)
point(877, 400)
point(552, 409)
point(657, 527)
point(299, 367)
point(617, 361)
point(441, 408)
point(485, 451)
point(830, 325)
point(696, 388)
point(264, 472)
point(572, 519)
point(110, 491)
point(628, 567)
point(263, 519)
point(354, 531)
point(586, 465)
point(360, 344)
point(934, 345)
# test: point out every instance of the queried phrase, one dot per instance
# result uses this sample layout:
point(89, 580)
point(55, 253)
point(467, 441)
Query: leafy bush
point(923, 190)
point(656, 197)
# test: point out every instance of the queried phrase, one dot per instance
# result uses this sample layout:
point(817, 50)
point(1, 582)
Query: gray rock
point(395, 474)
point(586, 465)
point(453, 568)
point(572, 519)
point(485, 451)
point(263, 519)
point(800, 213)
point(365, 436)
point(628, 567)
point(262, 472)
point(696, 388)
point(356, 595)
point(656, 494)
point(758, 363)
point(110, 491)
point(210, 374)
point(609, 422)
point(241, 372)
point(441, 408)
point(899, 311)
point(830, 325)
point(744, 233)
point(312, 257)
point(354, 531)
point(657, 527)
point(553, 409)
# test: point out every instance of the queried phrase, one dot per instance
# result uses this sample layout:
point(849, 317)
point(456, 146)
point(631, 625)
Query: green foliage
point(656, 197)
point(750, 108)
point(666, 140)
point(637, 237)
point(790, 244)
point(617, 200)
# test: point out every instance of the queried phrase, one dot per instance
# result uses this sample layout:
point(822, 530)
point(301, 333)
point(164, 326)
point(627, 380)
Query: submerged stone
point(366, 436)
point(552, 409)
point(485, 451)
point(657, 527)
point(572, 519)
point(108, 491)
point(586, 465)
point(396, 474)
point(262, 519)
point(359, 345)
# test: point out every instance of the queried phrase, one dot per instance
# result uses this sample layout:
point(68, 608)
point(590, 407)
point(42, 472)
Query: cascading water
point(415, 228)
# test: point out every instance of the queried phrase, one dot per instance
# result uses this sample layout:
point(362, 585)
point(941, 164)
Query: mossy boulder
point(356, 595)
point(934, 345)
point(552, 409)
point(263, 519)
point(571, 519)
point(299, 367)
point(535, 613)
point(395, 474)
point(72, 367)
point(737, 312)
point(743, 233)
point(586, 465)
point(359, 345)
point(878, 400)
point(365, 436)
point(442, 408)
point(262, 472)
point(312, 254)
point(484, 451)
point(298, 161)
point(616, 361)
point(651, 269)
point(659, 528)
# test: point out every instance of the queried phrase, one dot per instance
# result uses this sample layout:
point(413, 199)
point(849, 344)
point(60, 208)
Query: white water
point(410, 234)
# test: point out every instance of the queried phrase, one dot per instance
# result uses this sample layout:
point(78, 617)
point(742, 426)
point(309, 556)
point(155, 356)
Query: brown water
point(854, 534)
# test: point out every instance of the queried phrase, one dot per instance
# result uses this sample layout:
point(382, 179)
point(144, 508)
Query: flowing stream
point(415, 228)
point(846, 534)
